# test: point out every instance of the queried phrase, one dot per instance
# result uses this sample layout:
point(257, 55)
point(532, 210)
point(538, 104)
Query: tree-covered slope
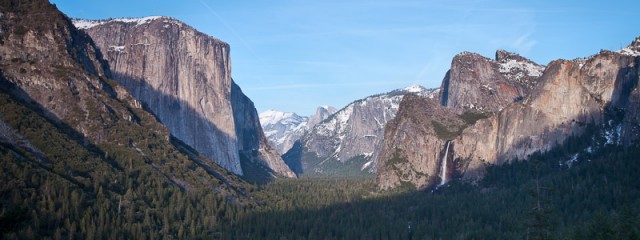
point(80, 158)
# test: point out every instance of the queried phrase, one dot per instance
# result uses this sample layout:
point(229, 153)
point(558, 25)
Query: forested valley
point(594, 196)
point(81, 158)
point(543, 198)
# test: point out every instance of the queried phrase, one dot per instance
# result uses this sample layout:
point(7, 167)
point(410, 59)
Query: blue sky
point(293, 55)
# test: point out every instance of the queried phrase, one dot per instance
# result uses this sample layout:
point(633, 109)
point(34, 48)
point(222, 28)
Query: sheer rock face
point(252, 141)
point(184, 78)
point(50, 71)
point(476, 83)
point(322, 113)
point(412, 145)
point(357, 129)
point(571, 94)
point(547, 110)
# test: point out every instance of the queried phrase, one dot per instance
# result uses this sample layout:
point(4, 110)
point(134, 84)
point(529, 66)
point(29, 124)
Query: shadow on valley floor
point(596, 196)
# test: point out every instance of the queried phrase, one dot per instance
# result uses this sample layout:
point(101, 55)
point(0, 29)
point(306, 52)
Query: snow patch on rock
point(366, 165)
point(282, 128)
point(86, 24)
point(633, 49)
point(530, 69)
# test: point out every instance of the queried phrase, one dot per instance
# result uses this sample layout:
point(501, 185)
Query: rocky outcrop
point(57, 67)
point(630, 130)
point(252, 142)
point(354, 131)
point(476, 83)
point(59, 104)
point(571, 95)
point(184, 78)
point(474, 88)
point(322, 113)
point(520, 116)
point(413, 140)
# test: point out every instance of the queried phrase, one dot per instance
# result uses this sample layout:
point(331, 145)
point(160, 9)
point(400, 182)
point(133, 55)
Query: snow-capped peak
point(282, 128)
point(272, 116)
point(86, 24)
point(414, 89)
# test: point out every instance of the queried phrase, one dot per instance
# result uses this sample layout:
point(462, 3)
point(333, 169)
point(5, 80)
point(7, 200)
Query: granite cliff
point(322, 113)
point(476, 83)
point(507, 108)
point(56, 77)
point(184, 78)
point(76, 141)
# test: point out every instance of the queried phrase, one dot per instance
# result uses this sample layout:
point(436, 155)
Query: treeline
point(585, 189)
point(56, 185)
point(595, 196)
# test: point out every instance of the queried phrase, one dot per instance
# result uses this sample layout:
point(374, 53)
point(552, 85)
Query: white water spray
point(443, 172)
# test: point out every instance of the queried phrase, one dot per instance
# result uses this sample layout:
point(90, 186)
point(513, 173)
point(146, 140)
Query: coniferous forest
point(109, 169)
point(596, 196)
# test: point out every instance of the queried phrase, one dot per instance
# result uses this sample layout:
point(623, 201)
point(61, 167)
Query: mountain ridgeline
point(283, 129)
point(184, 78)
point(496, 111)
point(348, 141)
point(134, 129)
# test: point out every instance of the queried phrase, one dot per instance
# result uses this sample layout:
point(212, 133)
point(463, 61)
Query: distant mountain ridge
point(352, 133)
point(283, 129)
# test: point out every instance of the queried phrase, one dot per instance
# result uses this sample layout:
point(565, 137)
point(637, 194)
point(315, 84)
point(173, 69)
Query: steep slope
point(571, 96)
point(527, 115)
point(413, 140)
point(476, 83)
point(78, 154)
point(184, 78)
point(253, 145)
point(352, 134)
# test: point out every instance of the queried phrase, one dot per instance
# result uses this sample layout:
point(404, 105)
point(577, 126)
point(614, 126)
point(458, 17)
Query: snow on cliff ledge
point(530, 68)
point(85, 24)
point(633, 49)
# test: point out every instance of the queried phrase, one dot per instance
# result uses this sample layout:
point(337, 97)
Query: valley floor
point(596, 198)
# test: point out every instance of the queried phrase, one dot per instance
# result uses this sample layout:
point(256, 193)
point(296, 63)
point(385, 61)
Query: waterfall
point(443, 172)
